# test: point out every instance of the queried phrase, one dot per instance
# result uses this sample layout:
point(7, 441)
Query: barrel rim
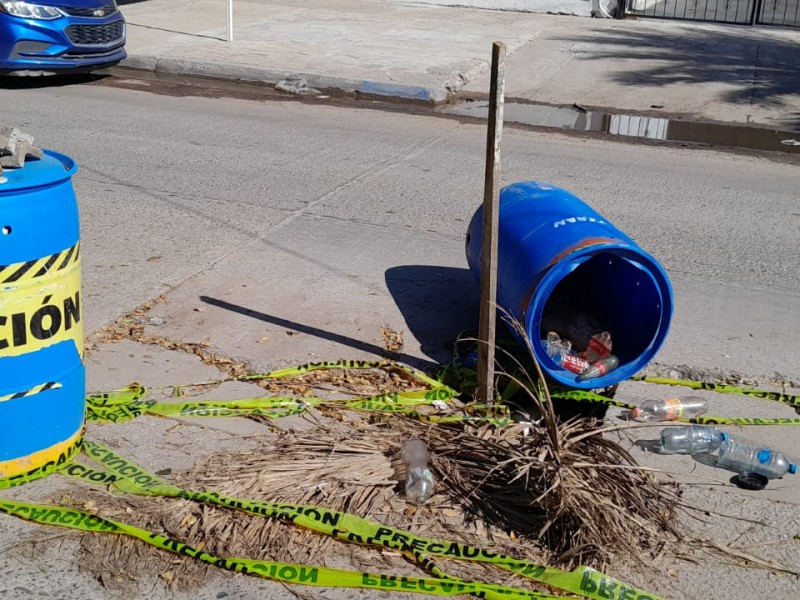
point(49, 176)
point(556, 273)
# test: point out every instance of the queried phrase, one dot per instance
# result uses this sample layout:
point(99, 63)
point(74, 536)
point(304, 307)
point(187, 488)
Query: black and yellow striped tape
point(33, 269)
point(38, 389)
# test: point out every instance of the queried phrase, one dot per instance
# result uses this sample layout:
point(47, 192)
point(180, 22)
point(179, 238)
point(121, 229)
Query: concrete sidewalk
point(432, 54)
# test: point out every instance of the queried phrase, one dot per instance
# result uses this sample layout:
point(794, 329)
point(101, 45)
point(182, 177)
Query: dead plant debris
point(132, 326)
point(561, 494)
point(392, 340)
point(500, 489)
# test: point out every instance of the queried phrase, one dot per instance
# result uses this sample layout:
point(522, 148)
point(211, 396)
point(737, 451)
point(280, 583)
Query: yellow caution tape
point(285, 572)
point(127, 403)
point(274, 408)
point(126, 395)
point(61, 455)
point(723, 388)
point(131, 478)
point(466, 376)
point(707, 420)
point(322, 366)
point(346, 364)
point(702, 420)
point(123, 405)
point(267, 407)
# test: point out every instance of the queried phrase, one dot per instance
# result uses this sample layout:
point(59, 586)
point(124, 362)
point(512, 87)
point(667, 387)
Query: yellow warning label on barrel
point(40, 303)
point(40, 464)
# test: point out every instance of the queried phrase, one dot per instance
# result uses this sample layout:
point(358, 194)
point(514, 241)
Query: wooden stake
point(491, 209)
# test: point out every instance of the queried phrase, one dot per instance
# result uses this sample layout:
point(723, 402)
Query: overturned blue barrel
point(558, 257)
point(42, 377)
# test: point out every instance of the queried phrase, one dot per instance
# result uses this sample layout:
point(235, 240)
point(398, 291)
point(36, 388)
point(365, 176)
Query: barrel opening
point(6, 230)
point(618, 294)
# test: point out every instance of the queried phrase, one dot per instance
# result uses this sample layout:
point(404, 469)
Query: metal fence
point(743, 12)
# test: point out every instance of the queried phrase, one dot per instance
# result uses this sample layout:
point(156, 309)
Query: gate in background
point(741, 12)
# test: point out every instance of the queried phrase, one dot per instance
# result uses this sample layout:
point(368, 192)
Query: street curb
point(574, 8)
point(217, 70)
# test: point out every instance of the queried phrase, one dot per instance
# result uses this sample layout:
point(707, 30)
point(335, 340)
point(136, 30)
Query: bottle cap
point(751, 481)
point(724, 437)
point(793, 469)
point(636, 412)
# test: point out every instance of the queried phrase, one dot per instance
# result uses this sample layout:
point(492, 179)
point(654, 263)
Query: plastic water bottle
point(599, 367)
point(692, 439)
point(555, 346)
point(752, 459)
point(670, 409)
point(419, 480)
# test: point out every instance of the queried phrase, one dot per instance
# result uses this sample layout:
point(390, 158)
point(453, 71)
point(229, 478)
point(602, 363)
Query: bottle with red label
point(560, 350)
point(599, 367)
point(670, 409)
point(599, 347)
point(574, 363)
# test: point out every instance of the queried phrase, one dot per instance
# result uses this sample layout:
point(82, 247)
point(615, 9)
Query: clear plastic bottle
point(560, 350)
point(555, 346)
point(692, 439)
point(419, 479)
point(753, 459)
point(599, 367)
point(670, 409)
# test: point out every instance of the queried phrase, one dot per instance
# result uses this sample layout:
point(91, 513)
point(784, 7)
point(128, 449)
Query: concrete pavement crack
point(381, 226)
point(294, 214)
point(375, 170)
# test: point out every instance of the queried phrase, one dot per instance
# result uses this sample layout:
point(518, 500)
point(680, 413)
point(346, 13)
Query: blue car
point(49, 37)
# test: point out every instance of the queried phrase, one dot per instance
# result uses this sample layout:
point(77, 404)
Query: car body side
point(86, 35)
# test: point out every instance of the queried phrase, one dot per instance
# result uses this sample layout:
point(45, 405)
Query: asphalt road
point(331, 222)
point(170, 186)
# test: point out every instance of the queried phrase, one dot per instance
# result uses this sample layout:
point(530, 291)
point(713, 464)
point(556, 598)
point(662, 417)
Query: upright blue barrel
point(553, 245)
point(42, 377)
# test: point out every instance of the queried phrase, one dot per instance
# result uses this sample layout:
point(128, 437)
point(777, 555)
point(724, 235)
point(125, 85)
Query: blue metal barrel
point(552, 246)
point(42, 377)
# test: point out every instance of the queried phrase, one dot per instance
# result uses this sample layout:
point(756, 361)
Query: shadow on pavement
point(199, 35)
point(320, 333)
point(437, 303)
point(706, 458)
point(31, 83)
point(653, 446)
point(759, 69)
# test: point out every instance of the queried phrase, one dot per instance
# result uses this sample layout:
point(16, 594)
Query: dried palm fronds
point(499, 489)
point(328, 467)
point(589, 505)
point(580, 494)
